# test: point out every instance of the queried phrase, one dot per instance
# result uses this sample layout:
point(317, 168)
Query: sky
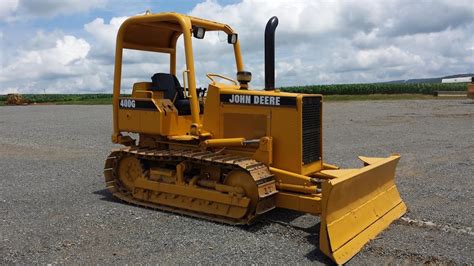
point(67, 46)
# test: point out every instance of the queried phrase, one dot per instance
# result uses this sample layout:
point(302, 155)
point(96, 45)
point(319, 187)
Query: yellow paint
point(223, 142)
point(470, 90)
point(159, 33)
point(354, 204)
point(308, 203)
point(372, 204)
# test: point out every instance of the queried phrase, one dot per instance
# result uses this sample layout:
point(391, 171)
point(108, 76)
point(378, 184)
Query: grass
point(82, 99)
point(99, 101)
point(378, 97)
point(105, 99)
point(378, 88)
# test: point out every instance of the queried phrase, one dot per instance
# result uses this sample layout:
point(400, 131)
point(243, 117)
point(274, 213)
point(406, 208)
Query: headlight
point(199, 32)
point(232, 38)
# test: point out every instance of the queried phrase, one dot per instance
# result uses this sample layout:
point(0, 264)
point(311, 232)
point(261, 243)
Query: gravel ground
point(54, 209)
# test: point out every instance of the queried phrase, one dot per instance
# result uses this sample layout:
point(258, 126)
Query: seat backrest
point(167, 83)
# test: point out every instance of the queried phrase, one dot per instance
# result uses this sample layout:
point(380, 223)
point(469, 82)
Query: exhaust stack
point(270, 53)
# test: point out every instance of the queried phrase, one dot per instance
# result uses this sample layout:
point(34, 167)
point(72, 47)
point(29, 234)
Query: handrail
point(184, 82)
point(210, 75)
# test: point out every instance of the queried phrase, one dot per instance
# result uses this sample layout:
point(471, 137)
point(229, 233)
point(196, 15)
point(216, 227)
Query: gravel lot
point(54, 209)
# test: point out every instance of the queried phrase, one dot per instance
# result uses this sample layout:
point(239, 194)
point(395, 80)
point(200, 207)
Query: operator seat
point(172, 90)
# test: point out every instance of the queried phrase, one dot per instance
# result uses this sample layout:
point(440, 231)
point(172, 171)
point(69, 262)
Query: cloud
point(422, 17)
point(388, 57)
point(63, 66)
point(352, 41)
point(55, 62)
point(317, 42)
point(105, 32)
point(16, 10)
point(7, 8)
point(104, 35)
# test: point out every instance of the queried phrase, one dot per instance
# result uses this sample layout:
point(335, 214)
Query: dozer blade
point(357, 205)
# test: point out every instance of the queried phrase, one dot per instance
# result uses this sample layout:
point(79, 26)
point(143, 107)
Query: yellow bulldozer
point(230, 154)
point(16, 99)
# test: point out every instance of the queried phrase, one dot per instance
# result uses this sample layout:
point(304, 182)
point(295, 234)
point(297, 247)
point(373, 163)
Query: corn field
point(377, 88)
point(338, 89)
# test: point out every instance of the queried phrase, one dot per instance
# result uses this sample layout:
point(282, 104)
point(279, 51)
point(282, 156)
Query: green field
point(341, 92)
point(65, 98)
point(378, 88)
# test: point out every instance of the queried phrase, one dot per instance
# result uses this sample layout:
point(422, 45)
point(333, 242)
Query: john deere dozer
point(228, 153)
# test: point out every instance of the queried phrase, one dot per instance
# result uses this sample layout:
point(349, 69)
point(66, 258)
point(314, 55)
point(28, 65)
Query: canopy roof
point(159, 32)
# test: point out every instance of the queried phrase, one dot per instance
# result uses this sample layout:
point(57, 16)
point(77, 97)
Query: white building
point(458, 80)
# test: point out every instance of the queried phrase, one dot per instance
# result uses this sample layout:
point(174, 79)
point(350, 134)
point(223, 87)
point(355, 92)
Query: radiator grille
point(311, 129)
